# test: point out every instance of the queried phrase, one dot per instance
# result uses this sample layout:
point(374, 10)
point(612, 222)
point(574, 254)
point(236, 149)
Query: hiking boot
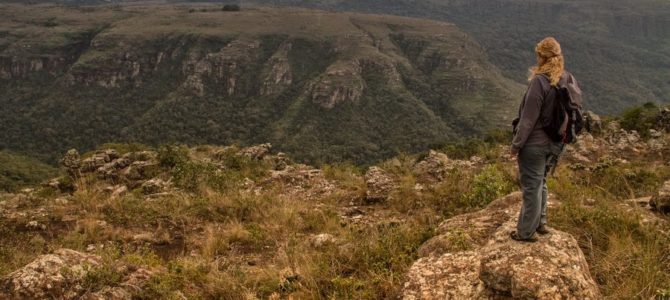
point(542, 230)
point(513, 235)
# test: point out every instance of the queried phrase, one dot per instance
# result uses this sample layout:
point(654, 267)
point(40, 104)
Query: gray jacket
point(529, 131)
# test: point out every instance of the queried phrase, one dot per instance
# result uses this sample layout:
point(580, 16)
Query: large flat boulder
point(473, 257)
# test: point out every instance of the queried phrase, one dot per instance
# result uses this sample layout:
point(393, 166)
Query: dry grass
point(239, 244)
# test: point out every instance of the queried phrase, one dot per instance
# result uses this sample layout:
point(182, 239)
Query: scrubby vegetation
point(627, 259)
point(261, 243)
point(640, 118)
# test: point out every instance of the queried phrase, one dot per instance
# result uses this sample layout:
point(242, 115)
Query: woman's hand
point(513, 151)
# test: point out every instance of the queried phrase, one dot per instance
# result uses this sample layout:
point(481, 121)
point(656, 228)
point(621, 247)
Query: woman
point(532, 145)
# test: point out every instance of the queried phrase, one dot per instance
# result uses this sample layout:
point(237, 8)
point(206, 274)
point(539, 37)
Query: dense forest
point(321, 86)
point(618, 50)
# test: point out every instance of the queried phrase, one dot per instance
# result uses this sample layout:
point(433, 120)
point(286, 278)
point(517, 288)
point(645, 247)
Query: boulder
point(626, 141)
point(62, 275)
point(62, 184)
point(279, 161)
point(98, 159)
point(379, 184)
point(111, 169)
point(321, 240)
point(299, 179)
point(155, 186)
point(436, 165)
point(256, 152)
point(71, 161)
point(473, 257)
point(661, 200)
point(51, 276)
point(592, 122)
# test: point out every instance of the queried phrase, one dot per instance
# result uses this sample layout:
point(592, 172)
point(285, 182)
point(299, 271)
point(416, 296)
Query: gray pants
point(534, 161)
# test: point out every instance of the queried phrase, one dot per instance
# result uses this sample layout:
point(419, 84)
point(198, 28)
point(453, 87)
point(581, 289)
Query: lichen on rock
point(491, 265)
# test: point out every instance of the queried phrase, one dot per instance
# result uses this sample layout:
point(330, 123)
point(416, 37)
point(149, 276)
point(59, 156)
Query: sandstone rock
point(661, 200)
point(72, 162)
point(628, 141)
point(279, 75)
point(655, 134)
point(110, 170)
point(280, 161)
point(256, 152)
point(322, 239)
point(155, 186)
point(301, 180)
point(117, 191)
point(51, 276)
point(61, 184)
point(592, 122)
point(225, 66)
point(98, 159)
point(474, 258)
point(379, 184)
point(436, 166)
point(341, 82)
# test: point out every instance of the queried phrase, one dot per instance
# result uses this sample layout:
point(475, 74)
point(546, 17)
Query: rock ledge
point(474, 258)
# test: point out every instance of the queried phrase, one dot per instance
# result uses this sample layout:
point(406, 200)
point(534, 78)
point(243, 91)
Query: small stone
point(590, 202)
point(322, 239)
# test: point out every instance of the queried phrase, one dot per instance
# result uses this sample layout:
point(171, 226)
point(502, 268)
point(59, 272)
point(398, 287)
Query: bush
point(490, 184)
point(640, 118)
point(171, 155)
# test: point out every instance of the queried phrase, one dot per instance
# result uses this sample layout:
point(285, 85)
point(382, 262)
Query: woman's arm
point(529, 114)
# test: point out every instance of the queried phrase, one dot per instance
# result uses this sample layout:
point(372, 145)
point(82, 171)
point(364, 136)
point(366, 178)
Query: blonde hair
point(549, 60)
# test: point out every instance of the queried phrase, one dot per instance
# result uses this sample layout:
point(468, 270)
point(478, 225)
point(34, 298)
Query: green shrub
point(172, 155)
point(640, 118)
point(490, 184)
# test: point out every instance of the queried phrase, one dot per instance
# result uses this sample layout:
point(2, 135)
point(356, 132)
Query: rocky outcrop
point(437, 165)
point(62, 275)
point(15, 67)
point(225, 67)
point(473, 257)
point(256, 152)
point(71, 161)
point(379, 184)
point(132, 168)
point(340, 83)
point(98, 159)
point(624, 140)
point(51, 276)
point(278, 76)
point(592, 122)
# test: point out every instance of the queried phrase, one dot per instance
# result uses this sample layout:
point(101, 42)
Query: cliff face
point(322, 85)
point(606, 43)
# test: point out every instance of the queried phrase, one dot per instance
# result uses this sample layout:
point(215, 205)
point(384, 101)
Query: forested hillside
point(619, 50)
point(320, 86)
